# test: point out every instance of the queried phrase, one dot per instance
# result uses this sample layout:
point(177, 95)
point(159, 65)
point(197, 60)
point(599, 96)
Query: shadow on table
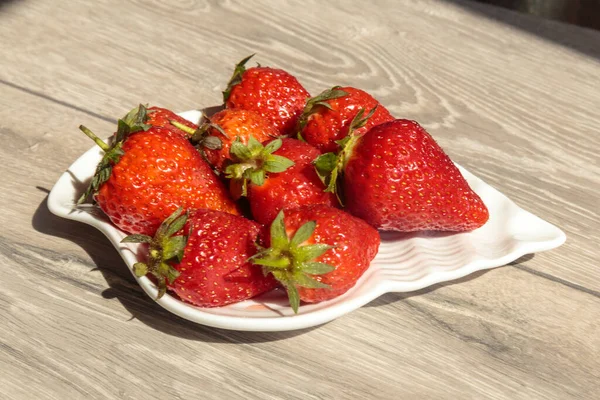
point(586, 41)
point(389, 298)
point(124, 288)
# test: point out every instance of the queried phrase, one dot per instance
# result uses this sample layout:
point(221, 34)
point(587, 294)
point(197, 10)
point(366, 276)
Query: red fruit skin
point(237, 123)
point(356, 244)
point(296, 186)
point(161, 117)
point(159, 172)
point(398, 178)
point(325, 126)
point(274, 94)
point(214, 271)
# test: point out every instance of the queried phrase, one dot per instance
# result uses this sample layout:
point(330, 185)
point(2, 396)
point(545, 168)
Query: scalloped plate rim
point(59, 206)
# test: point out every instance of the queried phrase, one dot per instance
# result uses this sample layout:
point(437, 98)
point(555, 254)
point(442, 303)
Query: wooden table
point(511, 97)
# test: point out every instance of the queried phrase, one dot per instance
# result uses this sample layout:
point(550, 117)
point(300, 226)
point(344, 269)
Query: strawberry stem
point(95, 138)
point(183, 127)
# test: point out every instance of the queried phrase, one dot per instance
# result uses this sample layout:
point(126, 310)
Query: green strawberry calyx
point(291, 261)
point(314, 103)
point(164, 247)
point(330, 166)
point(134, 121)
point(236, 77)
point(201, 137)
point(252, 162)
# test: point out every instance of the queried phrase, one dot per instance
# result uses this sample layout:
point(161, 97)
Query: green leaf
point(164, 226)
point(239, 150)
point(282, 276)
point(319, 100)
point(328, 94)
point(140, 269)
point(279, 238)
point(162, 288)
point(174, 247)
point(212, 143)
point(254, 145)
point(256, 177)
point(303, 280)
point(294, 297)
point(236, 77)
point(303, 233)
point(332, 184)
point(176, 225)
point(309, 252)
point(122, 130)
point(359, 121)
point(172, 274)
point(324, 104)
point(136, 238)
point(277, 164)
point(316, 268)
point(324, 165)
point(219, 129)
point(273, 146)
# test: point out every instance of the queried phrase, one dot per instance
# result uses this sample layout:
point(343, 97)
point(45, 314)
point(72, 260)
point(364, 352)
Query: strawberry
point(148, 173)
point(202, 256)
point(227, 126)
point(327, 253)
point(327, 117)
point(273, 93)
point(396, 177)
point(296, 186)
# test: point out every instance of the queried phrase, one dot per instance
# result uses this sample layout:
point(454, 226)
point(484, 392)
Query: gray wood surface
point(511, 97)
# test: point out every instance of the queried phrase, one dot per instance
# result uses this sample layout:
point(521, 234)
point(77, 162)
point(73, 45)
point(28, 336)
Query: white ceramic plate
point(405, 262)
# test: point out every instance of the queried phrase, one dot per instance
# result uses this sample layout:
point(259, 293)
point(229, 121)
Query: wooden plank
point(516, 110)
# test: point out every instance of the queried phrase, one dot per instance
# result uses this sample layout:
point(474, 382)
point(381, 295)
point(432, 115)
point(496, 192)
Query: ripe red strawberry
point(327, 117)
point(396, 177)
point(162, 117)
point(296, 186)
point(227, 126)
point(203, 257)
point(328, 252)
point(146, 175)
point(273, 93)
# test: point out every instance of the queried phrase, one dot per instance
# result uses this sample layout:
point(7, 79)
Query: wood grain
point(515, 109)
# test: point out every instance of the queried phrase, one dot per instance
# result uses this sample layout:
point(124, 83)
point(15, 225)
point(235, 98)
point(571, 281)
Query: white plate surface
point(405, 262)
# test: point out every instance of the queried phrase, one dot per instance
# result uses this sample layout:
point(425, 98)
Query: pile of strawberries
point(279, 189)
